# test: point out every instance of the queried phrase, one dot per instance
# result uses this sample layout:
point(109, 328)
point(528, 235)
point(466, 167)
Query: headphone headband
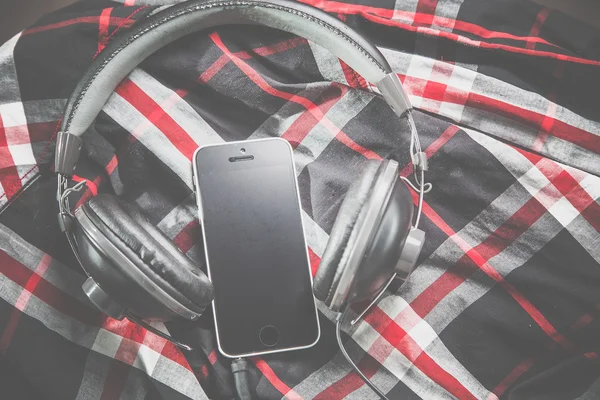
point(120, 57)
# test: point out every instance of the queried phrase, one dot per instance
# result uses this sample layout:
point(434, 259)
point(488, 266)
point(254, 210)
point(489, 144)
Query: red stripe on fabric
point(442, 286)
point(9, 175)
point(534, 158)
point(48, 293)
point(309, 105)
point(426, 11)
point(188, 236)
point(272, 377)
point(570, 188)
point(556, 128)
point(213, 69)
point(212, 357)
point(130, 344)
point(526, 364)
point(300, 128)
point(274, 49)
point(103, 25)
point(82, 20)
point(261, 51)
point(582, 322)
point(513, 376)
point(511, 229)
point(559, 72)
point(537, 26)
point(565, 183)
point(537, 316)
point(481, 262)
point(315, 260)
point(350, 382)
point(559, 129)
point(126, 22)
point(390, 18)
point(39, 131)
point(66, 304)
point(135, 96)
point(545, 127)
point(171, 352)
point(18, 134)
point(9, 330)
point(129, 330)
point(434, 147)
point(592, 215)
point(91, 185)
point(23, 299)
point(203, 373)
point(70, 306)
point(399, 338)
point(42, 157)
point(117, 376)
point(345, 139)
point(209, 73)
point(14, 270)
point(112, 164)
point(352, 77)
point(371, 14)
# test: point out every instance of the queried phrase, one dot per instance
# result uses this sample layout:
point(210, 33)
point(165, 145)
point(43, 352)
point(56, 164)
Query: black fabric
point(333, 258)
point(114, 216)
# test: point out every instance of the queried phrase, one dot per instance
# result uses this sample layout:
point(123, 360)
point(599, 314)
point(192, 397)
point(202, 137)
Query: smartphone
point(256, 253)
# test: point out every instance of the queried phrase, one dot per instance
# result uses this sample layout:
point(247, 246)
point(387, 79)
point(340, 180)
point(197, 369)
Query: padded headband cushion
point(343, 233)
point(149, 249)
point(121, 56)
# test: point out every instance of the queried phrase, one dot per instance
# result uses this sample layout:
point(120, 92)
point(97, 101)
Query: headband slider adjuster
point(393, 92)
point(68, 147)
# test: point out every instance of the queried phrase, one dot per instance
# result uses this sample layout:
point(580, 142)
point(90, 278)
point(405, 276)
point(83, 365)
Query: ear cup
point(374, 222)
point(343, 233)
point(381, 260)
point(149, 250)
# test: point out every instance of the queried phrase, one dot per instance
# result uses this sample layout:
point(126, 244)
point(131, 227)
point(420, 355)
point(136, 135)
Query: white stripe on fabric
point(153, 139)
point(177, 108)
point(488, 121)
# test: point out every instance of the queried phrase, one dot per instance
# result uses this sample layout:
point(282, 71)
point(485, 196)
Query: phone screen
point(255, 247)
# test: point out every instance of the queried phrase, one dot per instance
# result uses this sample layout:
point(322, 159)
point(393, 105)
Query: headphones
point(135, 271)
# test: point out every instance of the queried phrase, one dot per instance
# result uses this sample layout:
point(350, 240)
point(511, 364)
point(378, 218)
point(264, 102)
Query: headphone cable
point(240, 368)
point(338, 334)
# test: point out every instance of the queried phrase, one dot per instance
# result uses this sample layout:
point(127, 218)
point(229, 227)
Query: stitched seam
point(206, 7)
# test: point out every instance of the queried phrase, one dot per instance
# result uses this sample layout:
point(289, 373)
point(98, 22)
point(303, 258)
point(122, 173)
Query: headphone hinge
point(68, 147)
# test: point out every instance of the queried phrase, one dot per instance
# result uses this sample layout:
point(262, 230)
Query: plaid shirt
point(505, 301)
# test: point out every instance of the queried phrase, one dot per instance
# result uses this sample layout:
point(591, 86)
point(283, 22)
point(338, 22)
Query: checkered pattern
point(505, 301)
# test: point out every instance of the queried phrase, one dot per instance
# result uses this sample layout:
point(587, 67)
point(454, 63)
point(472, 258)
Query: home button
point(269, 335)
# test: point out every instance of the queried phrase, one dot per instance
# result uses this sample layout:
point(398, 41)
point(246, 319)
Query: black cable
point(240, 368)
point(338, 334)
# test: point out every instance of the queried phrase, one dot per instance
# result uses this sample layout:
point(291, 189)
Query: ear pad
point(152, 253)
point(381, 260)
point(342, 233)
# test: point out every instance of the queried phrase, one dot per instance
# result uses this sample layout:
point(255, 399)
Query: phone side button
point(198, 199)
point(199, 205)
